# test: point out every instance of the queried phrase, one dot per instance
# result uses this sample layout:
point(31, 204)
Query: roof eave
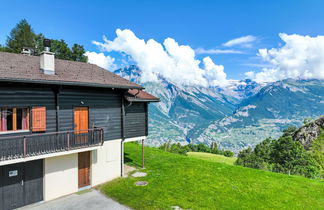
point(83, 84)
point(130, 99)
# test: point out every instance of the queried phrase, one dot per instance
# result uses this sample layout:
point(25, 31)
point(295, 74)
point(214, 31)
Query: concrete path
point(91, 200)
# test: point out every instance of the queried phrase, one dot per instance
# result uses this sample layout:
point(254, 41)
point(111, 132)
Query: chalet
point(62, 126)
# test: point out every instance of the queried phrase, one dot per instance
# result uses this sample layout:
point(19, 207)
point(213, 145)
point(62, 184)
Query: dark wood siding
point(104, 109)
point(104, 105)
point(135, 120)
point(18, 95)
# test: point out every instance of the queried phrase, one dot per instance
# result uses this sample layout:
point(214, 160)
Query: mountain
point(267, 113)
point(182, 108)
point(240, 115)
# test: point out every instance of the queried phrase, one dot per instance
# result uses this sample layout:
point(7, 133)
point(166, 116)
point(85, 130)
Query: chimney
point(47, 60)
point(26, 51)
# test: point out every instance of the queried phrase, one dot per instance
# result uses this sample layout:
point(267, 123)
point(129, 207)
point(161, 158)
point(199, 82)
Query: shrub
point(183, 149)
point(283, 155)
point(317, 151)
point(227, 153)
point(290, 157)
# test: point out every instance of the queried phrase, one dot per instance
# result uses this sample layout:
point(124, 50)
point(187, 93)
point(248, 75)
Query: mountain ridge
point(238, 116)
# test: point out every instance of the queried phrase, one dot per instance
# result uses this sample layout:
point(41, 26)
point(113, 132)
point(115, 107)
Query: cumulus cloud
point(301, 57)
point(244, 41)
point(217, 51)
point(170, 60)
point(101, 60)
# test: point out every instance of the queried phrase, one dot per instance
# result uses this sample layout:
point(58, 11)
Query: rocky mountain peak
point(309, 132)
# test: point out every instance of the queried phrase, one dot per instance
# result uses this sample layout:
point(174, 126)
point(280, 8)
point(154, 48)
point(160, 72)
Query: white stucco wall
point(106, 162)
point(61, 172)
point(61, 176)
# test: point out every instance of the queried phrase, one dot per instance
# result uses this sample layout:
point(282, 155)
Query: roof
point(135, 95)
point(26, 68)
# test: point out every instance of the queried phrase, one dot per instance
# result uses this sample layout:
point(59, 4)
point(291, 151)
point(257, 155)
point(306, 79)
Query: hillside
point(177, 180)
point(212, 157)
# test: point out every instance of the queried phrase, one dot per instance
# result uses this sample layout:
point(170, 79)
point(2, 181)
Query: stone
point(139, 174)
point(308, 133)
point(141, 183)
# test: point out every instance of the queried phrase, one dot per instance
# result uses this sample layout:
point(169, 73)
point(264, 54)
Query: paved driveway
point(92, 200)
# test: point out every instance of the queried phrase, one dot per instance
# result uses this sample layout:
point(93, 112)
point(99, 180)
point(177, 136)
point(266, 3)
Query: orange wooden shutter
point(38, 119)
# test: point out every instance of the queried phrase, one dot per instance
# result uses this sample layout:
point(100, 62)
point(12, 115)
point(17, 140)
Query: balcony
point(25, 146)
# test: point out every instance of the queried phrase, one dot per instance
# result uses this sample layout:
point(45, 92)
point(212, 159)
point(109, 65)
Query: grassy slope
point(212, 157)
point(176, 180)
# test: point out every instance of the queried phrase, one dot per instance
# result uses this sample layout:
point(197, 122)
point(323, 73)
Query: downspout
point(123, 135)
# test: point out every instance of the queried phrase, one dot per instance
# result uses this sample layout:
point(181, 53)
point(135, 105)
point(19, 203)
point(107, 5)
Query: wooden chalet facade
point(62, 126)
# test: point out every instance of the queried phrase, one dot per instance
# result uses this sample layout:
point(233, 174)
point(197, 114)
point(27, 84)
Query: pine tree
point(22, 35)
point(78, 53)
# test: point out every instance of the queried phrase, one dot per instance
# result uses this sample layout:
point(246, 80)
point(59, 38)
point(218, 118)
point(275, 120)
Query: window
point(14, 119)
point(39, 119)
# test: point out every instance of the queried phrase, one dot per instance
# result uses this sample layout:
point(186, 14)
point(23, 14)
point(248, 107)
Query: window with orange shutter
point(38, 119)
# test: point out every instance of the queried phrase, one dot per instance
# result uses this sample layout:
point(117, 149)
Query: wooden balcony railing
point(14, 147)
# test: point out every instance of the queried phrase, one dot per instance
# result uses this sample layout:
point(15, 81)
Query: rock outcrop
point(308, 133)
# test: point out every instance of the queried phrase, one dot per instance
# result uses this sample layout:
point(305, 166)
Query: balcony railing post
point(25, 147)
point(101, 136)
point(68, 141)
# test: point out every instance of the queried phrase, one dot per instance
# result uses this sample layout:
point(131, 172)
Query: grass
point(191, 183)
point(212, 157)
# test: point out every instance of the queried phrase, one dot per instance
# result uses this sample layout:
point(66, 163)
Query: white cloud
point(216, 51)
point(170, 60)
point(215, 73)
point(244, 41)
point(101, 60)
point(301, 57)
point(250, 74)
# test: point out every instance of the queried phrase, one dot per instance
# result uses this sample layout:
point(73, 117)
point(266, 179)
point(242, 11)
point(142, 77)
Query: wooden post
point(25, 147)
point(142, 153)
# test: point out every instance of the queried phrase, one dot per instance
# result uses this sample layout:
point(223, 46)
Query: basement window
point(14, 119)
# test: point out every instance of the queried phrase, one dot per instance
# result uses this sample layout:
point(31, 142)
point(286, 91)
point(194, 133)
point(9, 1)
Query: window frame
point(15, 130)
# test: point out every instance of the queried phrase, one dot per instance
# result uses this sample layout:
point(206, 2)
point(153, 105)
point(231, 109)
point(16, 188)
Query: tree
point(283, 155)
point(22, 35)
point(228, 153)
point(289, 156)
point(289, 131)
point(61, 49)
point(39, 45)
point(78, 53)
point(264, 149)
point(214, 148)
point(317, 151)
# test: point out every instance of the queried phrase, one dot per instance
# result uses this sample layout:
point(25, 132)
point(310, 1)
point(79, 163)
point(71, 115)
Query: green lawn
point(212, 157)
point(191, 183)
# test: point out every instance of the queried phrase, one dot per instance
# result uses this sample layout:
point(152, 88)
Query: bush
point(183, 149)
point(290, 157)
point(283, 155)
point(227, 153)
point(317, 151)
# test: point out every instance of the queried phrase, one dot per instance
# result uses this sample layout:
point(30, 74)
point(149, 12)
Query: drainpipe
point(123, 135)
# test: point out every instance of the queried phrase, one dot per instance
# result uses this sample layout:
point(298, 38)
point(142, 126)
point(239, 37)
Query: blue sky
point(199, 24)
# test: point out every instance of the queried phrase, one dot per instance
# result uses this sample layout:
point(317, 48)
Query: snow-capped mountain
point(240, 115)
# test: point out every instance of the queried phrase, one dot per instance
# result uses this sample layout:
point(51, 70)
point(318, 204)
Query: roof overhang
point(134, 99)
point(81, 84)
